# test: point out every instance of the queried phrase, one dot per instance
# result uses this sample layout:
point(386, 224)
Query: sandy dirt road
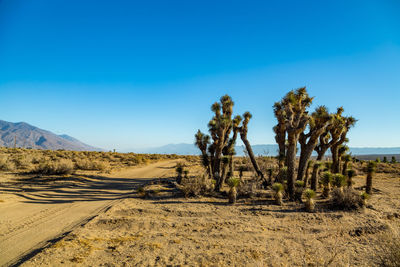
point(35, 212)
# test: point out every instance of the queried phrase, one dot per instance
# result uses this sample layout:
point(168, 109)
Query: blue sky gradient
point(131, 74)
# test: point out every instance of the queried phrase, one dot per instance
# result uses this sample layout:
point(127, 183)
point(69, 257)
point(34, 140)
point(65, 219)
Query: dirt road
point(36, 211)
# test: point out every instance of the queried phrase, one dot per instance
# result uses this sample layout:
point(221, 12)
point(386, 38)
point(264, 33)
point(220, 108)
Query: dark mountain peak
point(28, 136)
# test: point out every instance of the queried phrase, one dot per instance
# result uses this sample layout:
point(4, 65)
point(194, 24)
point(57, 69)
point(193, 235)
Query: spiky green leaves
point(338, 180)
point(309, 193)
point(277, 187)
point(202, 140)
point(326, 178)
point(233, 182)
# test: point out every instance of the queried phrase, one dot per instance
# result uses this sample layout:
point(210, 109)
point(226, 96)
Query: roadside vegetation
point(62, 162)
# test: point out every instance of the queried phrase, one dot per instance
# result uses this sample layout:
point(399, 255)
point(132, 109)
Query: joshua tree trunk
point(344, 170)
point(314, 177)
point(307, 173)
point(224, 173)
point(291, 161)
point(368, 187)
point(243, 135)
point(251, 156)
point(231, 169)
point(232, 195)
point(305, 155)
point(335, 159)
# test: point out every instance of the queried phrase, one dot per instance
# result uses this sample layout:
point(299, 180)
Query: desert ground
point(137, 217)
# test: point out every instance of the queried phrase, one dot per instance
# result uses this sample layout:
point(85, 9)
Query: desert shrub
point(346, 199)
point(6, 164)
point(59, 167)
point(22, 162)
point(389, 250)
point(196, 186)
point(91, 165)
point(248, 188)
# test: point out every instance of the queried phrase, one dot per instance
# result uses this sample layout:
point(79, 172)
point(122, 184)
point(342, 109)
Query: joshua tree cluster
point(297, 128)
point(218, 148)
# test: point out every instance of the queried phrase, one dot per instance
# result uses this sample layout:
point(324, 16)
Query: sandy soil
point(36, 210)
point(170, 231)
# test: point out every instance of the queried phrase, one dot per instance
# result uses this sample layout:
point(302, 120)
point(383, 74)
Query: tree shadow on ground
point(74, 188)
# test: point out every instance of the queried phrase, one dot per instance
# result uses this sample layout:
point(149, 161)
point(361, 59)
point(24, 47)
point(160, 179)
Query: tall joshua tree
point(318, 122)
point(218, 150)
point(243, 135)
point(334, 135)
point(220, 128)
point(339, 132)
point(295, 116)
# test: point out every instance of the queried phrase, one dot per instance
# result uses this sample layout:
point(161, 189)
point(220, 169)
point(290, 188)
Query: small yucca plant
point(339, 180)
point(278, 188)
point(309, 195)
point(233, 183)
point(299, 188)
point(364, 198)
point(326, 181)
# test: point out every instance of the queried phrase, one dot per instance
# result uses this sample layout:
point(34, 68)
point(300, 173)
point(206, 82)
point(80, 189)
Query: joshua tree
point(339, 131)
point(310, 195)
point(220, 128)
point(233, 184)
point(314, 176)
point(278, 188)
point(243, 135)
point(334, 136)
point(326, 181)
point(350, 174)
point(371, 168)
point(318, 122)
point(296, 118)
point(202, 141)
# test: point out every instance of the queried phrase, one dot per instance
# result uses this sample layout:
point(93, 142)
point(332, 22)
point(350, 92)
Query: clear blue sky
point(130, 74)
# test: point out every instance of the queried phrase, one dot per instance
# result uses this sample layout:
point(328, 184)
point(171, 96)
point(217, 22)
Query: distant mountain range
point(28, 136)
point(266, 150)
